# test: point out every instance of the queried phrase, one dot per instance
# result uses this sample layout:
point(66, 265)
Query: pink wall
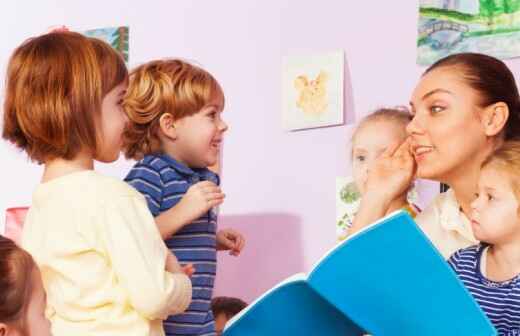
point(279, 185)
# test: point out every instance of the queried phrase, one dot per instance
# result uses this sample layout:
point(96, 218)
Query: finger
point(403, 149)
point(211, 189)
point(241, 243)
point(215, 193)
point(230, 233)
point(390, 150)
point(189, 269)
point(204, 184)
point(215, 201)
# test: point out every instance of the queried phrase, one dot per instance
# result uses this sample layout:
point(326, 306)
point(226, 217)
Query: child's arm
point(198, 200)
point(139, 256)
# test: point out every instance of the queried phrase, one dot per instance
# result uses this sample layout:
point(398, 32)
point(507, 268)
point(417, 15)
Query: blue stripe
point(164, 182)
point(499, 300)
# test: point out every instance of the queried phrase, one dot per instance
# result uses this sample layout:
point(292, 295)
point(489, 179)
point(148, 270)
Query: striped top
point(499, 300)
point(164, 181)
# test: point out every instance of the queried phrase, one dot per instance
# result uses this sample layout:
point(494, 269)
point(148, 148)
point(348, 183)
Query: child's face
point(371, 140)
point(494, 217)
point(113, 121)
point(35, 321)
point(38, 324)
point(199, 136)
point(220, 322)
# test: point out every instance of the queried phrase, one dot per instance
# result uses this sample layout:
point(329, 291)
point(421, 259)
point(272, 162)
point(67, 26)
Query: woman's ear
point(494, 118)
point(167, 126)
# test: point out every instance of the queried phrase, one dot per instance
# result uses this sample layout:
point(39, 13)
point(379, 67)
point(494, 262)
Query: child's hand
point(392, 173)
point(172, 264)
point(188, 269)
point(229, 239)
point(199, 199)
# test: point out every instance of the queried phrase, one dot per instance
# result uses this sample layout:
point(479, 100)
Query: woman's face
point(447, 134)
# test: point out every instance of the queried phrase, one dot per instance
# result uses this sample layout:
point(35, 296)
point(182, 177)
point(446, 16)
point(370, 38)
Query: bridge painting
point(451, 26)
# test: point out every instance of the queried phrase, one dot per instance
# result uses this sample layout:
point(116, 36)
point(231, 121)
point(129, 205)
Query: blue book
point(387, 279)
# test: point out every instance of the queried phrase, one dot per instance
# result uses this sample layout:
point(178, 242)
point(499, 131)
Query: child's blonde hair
point(507, 159)
point(158, 87)
point(399, 114)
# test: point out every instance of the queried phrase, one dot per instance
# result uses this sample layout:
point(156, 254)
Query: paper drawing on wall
point(447, 27)
point(313, 91)
point(117, 37)
point(348, 200)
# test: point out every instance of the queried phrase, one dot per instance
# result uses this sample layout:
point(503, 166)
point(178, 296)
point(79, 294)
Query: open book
point(387, 279)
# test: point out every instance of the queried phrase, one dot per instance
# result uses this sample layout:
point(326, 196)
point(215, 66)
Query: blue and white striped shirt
point(164, 181)
point(499, 300)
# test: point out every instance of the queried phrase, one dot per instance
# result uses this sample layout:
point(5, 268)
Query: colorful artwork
point(313, 91)
point(447, 27)
point(117, 37)
point(348, 200)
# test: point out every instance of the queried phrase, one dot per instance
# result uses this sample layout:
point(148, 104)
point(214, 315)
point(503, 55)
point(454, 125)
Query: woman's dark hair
point(492, 79)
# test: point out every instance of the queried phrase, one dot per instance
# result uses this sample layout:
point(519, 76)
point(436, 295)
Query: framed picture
point(117, 37)
point(313, 90)
point(447, 27)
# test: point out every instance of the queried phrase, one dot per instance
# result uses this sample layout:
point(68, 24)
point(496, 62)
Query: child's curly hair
point(163, 86)
point(506, 158)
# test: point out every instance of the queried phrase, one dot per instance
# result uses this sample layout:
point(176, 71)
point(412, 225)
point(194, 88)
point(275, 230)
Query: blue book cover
point(387, 279)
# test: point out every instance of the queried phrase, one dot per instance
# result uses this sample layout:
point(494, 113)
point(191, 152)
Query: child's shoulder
point(470, 254)
point(154, 161)
point(472, 250)
point(155, 165)
point(108, 187)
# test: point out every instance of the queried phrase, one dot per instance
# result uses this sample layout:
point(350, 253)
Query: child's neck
point(60, 167)
point(503, 261)
point(397, 204)
point(174, 153)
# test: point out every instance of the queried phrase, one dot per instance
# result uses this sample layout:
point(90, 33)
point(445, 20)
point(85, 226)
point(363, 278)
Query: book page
point(390, 280)
point(340, 244)
point(293, 278)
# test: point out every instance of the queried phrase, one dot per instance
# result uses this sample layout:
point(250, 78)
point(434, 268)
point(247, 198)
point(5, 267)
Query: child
point(175, 131)
point(224, 308)
point(22, 298)
point(373, 135)
point(104, 266)
point(491, 269)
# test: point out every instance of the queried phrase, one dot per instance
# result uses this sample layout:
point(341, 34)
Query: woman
point(463, 107)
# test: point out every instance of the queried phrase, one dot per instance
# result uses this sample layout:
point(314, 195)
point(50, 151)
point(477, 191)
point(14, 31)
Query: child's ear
point(3, 330)
point(167, 126)
point(494, 118)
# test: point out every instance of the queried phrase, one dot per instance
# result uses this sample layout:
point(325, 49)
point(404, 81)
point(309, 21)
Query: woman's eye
point(436, 109)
